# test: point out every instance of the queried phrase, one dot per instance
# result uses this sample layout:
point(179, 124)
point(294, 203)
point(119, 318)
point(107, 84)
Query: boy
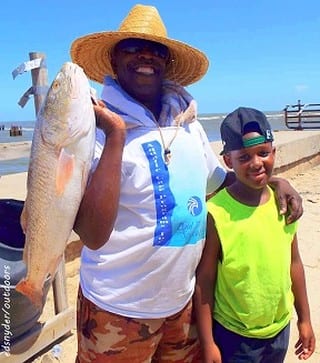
point(250, 273)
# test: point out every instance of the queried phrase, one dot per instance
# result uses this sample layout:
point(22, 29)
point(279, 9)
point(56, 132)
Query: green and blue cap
point(240, 122)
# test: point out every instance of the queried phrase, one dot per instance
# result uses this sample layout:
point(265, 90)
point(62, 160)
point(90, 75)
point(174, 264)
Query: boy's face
point(252, 165)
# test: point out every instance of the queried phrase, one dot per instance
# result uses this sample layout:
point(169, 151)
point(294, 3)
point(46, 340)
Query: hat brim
point(93, 53)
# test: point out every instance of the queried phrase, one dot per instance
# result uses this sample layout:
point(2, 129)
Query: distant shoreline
point(293, 147)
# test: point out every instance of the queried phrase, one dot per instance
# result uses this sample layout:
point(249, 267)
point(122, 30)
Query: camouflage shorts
point(107, 337)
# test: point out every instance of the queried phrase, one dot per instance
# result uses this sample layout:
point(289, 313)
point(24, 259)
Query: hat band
point(254, 141)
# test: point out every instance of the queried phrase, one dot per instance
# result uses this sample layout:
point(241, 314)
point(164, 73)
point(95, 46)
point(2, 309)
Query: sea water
point(210, 122)
point(26, 127)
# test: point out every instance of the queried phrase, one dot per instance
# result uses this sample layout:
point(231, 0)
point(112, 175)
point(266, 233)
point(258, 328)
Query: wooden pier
point(302, 116)
point(15, 131)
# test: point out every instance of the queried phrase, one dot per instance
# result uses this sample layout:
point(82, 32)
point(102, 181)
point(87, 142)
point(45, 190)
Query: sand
point(15, 150)
point(307, 183)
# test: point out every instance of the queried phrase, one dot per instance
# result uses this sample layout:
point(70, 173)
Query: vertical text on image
point(6, 321)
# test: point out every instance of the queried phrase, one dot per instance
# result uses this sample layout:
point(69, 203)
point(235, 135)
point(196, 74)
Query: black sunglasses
point(133, 46)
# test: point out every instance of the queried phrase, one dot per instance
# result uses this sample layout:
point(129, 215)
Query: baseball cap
point(240, 122)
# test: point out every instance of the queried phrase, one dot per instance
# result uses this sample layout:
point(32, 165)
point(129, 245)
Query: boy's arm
point(305, 345)
point(204, 294)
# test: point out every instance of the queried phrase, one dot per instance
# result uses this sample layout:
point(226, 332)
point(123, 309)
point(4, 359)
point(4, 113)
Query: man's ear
point(227, 160)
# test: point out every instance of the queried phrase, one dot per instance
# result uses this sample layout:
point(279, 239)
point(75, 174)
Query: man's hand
point(107, 120)
point(289, 201)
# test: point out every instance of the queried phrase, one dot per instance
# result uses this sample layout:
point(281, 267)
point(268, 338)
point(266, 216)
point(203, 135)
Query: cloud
point(300, 88)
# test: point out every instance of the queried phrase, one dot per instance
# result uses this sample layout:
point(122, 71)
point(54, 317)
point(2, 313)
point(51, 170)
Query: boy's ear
point(227, 160)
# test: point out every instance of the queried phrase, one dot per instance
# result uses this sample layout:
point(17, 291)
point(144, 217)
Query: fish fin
point(24, 225)
point(25, 254)
point(84, 177)
point(64, 170)
point(28, 289)
point(24, 218)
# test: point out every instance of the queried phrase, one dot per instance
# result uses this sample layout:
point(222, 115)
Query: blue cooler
point(17, 313)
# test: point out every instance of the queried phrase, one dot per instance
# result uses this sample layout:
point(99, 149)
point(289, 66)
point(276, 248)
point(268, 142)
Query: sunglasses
point(133, 46)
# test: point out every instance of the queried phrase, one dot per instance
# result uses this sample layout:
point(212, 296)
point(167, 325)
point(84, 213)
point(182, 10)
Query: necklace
point(189, 115)
point(166, 148)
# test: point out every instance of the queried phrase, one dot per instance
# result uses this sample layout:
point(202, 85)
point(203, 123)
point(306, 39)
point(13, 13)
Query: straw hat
point(93, 52)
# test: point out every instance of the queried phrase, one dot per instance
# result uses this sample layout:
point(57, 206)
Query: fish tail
point(29, 289)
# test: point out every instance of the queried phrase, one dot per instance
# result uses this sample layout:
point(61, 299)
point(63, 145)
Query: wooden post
point(299, 116)
point(60, 289)
point(39, 80)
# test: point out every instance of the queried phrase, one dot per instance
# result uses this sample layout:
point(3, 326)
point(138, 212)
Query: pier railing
point(302, 116)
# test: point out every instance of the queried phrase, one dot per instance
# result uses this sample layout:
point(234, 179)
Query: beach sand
point(15, 150)
point(308, 185)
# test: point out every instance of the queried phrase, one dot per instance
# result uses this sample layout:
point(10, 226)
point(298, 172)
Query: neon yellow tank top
point(253, 294)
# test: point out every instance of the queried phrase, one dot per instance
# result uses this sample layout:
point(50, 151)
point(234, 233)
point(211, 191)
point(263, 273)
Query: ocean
point(210, 122)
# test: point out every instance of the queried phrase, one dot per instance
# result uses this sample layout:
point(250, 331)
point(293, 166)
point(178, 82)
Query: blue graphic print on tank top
point(180, 221)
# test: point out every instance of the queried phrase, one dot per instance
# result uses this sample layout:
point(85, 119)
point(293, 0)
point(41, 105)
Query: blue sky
point(263, 53)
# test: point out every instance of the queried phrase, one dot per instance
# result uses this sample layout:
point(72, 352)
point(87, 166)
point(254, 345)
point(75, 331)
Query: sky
point(262, 53)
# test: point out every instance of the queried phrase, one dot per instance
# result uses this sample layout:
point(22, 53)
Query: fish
point(61, 155)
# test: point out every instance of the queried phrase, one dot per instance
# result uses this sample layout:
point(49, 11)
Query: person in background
point(250, 273)
point(143, 215)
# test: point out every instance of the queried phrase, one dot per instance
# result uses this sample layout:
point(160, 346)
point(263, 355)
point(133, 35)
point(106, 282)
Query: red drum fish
point(61, 155)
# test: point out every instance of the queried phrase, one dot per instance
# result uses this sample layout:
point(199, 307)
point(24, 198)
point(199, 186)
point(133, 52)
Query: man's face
point(140, 67)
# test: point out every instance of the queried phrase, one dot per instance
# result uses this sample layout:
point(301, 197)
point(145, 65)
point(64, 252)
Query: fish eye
point(55, 85)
